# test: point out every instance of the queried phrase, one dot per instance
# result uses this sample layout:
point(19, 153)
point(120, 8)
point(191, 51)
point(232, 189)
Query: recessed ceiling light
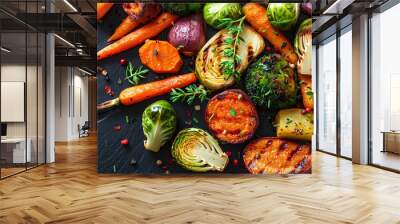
point(5, 50)
point(64, 40)
point(70, 5)
point(84, 71)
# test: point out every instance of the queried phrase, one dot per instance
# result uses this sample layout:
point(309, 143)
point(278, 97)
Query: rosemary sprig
point(235, 28)
point(134, 75)
point(189, 94)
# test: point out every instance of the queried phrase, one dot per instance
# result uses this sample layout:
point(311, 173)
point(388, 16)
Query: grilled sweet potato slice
point(269, 155)
point(231, 116)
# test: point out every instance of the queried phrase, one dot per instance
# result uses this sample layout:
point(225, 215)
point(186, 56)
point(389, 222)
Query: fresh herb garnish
point(235, 28)
point(289, 121)
point(189, 94)
point(134, 75)
point(232, 112)
point(310, 93)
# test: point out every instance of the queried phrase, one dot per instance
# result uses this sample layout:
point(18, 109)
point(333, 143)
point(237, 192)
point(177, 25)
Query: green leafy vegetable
point(134, 75)
point(196, 150)
point(159, 124)
point(189, 94)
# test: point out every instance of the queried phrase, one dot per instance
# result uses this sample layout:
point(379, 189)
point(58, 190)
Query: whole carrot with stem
point(256, 15)
point(138, 36)
point(102, 9)
point(139, 93)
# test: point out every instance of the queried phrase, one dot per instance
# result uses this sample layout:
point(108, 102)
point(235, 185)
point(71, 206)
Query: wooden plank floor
point(71, 191)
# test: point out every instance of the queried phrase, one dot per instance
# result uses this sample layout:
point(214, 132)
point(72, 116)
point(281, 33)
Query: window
point(346, 92)
point(385, 89)
point(327, 96)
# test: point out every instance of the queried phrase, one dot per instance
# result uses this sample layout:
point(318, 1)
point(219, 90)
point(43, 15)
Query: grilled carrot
point(138, 36)
point(126, 26)
point(256, 15)
point(135, 18)
point(102, 9)
point(139, 93)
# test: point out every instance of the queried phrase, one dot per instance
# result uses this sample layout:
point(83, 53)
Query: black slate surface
point(116, 158)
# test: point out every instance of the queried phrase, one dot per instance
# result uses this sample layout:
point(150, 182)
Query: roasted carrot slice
point(160, 56)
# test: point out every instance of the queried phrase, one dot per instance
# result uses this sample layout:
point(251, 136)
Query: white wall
point(71, 93)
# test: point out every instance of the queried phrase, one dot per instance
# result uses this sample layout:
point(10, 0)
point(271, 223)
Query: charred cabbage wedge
point(303, 47)
point(294, 124)
point(271, 82)
point(208, 62)
point(159, 124)
point(196, 150)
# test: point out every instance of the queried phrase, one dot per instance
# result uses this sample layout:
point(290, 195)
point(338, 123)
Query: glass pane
point(41, 99)
point(31, 98)
point(346, 94)
point(385, 83)
point(13, 86)
point(327, 96)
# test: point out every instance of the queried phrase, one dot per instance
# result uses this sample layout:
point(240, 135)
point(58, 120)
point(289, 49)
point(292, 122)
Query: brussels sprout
point(270, 82)
point(159, 124)
point(196, 150)
point(303, 47)
point(182, 9)
point(213, 13)
point(283, 15)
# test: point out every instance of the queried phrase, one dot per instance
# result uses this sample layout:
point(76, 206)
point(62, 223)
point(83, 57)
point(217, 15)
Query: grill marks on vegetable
point(276, 156)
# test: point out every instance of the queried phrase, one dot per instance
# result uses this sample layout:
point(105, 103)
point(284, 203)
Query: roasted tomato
point(269, 155)
point(231, 116)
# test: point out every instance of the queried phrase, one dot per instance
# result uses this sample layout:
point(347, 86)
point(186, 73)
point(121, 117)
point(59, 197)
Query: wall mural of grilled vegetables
point(204, 88)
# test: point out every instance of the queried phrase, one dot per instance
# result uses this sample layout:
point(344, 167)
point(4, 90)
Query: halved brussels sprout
point(208, 62)
point(303, 47)
point(159, 124)
point(196, 150)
